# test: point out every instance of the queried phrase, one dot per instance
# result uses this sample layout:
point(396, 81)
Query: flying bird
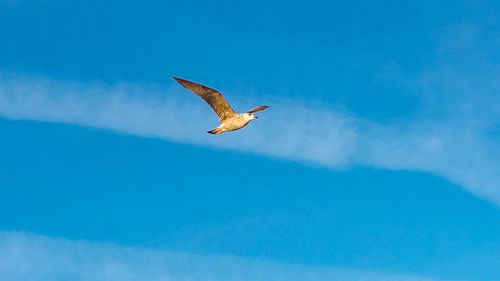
point(228, 119)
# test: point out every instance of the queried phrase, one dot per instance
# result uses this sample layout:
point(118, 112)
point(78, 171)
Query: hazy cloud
point(26, 256)
point(459, 147)
point(454, 132)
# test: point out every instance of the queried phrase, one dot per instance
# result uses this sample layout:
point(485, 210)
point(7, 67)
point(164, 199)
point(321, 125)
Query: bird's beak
point(256, 117)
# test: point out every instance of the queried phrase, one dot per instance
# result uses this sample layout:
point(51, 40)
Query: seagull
point(228, 119)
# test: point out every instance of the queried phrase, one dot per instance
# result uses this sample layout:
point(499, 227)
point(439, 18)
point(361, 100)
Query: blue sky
point(379, 158)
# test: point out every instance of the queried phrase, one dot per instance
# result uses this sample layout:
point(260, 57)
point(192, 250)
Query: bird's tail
point(215, 131)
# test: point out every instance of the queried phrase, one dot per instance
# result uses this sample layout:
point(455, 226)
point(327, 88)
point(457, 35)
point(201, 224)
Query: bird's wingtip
point(180, 80)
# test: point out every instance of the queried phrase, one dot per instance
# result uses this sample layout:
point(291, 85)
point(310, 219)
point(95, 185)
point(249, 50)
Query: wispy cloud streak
point(26, 256)
point(456, 148)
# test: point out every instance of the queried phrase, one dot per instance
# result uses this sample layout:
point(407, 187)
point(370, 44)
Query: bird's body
point(234, 123)
point(229, 120)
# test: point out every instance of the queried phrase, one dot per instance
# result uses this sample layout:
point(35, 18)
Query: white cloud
point(27, 256)
point(457, 147)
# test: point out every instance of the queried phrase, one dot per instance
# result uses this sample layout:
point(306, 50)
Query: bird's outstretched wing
point(211, 96)
point(258, 108)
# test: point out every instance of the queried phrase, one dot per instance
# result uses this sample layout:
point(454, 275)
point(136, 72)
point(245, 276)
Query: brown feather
point(258, 108)
point(210, 96)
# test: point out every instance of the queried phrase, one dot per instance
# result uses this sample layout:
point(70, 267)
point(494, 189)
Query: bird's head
point(249, 116)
